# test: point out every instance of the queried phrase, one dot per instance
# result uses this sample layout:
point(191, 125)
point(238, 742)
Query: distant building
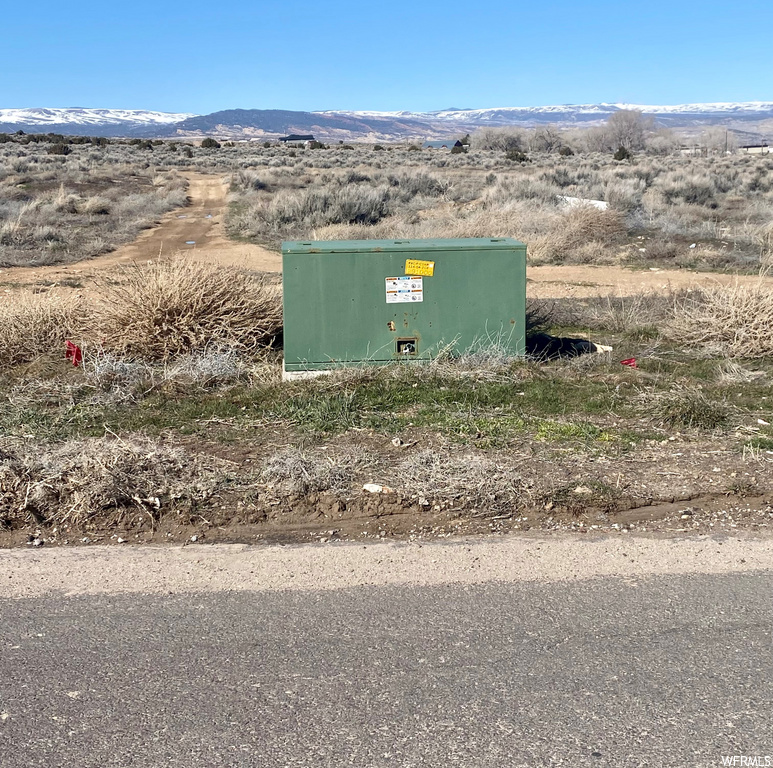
point(444, 144)
point(755, 149)
point(297, 138)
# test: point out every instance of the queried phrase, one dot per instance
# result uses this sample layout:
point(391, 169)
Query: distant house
point(444, 144)
point(297, 138)
point(755, 149)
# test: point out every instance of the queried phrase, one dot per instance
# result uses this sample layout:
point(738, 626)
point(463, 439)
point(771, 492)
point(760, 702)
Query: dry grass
point(582, 228)
point(55, 209)
point(731, 373)
point(37, 324)
point(300, 472)
point(731, 321)
point(470, 480)
point(120, 482)
point(170, 307)
point(689, 407)
point(626, 313)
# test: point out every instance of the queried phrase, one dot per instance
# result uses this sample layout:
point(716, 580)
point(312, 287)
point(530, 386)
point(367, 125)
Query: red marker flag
point(73, 352)
point(630, 362)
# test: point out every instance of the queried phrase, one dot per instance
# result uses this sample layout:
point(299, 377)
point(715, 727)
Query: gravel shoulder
point(242, 568)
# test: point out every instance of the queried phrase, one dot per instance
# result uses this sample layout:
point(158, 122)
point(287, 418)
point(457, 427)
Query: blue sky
point(201, 57)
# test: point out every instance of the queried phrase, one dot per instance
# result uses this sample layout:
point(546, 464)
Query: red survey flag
point(73, 352)
point(630, 362)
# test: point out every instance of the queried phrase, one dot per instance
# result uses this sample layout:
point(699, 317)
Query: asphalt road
point(659, 671)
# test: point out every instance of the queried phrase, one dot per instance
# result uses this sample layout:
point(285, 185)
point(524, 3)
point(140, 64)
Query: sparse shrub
point(686, 408)
point(128, 482)
point(301, 472)
point(628, 313)
point(732, 321)
point(516, 156)
point(471, 480)
point(167, 308)
point(409, 185)
point(621, 153)
point(581, 227)
point(59, 149)
point(295, 212)
point(35, 325)
point(95, 206)
point(499, 139)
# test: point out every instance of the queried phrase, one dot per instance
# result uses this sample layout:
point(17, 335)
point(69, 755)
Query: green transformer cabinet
point(352, 302)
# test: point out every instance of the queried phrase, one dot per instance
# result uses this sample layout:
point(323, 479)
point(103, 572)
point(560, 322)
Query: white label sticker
point(404, 290)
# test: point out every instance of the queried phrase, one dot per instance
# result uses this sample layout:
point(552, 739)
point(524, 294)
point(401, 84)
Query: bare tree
point(717, 139)
point(596, 139)
point(628, 128)
point(546, 139)
point(500, 139)
point(663, 142)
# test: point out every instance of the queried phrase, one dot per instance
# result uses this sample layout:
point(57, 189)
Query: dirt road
point(197, 230)
point(578, 281)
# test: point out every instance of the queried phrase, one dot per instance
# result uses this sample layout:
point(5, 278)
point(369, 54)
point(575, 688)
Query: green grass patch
point(761, 442)
point(557, 403)
point(556, 431)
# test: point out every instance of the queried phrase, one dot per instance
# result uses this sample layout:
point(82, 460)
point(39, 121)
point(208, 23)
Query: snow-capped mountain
point(72, 120)
point(574, 112)
point(753, 117)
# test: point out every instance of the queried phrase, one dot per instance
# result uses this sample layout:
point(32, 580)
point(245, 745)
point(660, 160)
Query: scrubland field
point(178, 425)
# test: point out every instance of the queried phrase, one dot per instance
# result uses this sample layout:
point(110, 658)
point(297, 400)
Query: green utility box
point(375, 301)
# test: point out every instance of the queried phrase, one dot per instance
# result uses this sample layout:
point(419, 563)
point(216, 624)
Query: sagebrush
point(169, 307)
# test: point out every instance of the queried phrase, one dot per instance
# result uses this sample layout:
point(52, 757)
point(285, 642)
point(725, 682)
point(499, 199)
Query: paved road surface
point(657, 670)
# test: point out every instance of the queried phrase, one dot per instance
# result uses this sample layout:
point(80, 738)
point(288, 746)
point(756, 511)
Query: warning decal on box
point(404, 290)
point(419, 267)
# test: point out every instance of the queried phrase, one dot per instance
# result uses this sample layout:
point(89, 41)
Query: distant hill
point(747, 118)
point(271, 123)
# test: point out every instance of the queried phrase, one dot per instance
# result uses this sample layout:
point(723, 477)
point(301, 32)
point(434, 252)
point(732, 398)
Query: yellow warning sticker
point(418, 267)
